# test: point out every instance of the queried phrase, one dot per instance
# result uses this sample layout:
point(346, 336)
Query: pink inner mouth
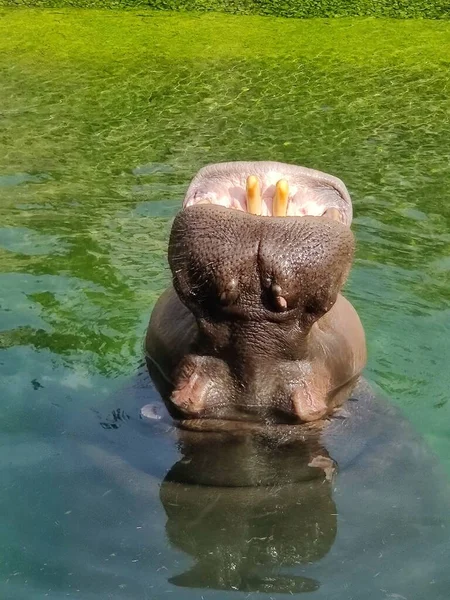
point(310, 192)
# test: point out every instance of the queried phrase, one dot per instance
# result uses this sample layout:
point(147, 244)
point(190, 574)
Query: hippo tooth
point(253, 195)
point(280, 202)
point(334, 214)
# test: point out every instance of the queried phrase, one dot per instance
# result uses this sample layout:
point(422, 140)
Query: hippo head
point(259, 254)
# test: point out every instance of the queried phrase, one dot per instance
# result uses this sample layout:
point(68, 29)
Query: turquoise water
point(104, 118)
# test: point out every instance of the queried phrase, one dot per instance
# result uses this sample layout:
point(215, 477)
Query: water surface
point(104, 118)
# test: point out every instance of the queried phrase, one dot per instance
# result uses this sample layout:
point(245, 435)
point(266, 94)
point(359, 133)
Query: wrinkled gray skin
point(291, 475)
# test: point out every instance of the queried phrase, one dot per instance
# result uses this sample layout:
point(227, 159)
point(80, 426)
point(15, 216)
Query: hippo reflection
point(258, 358)
point(247, 508)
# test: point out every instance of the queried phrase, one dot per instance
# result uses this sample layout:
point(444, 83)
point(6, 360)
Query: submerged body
point(351, 507)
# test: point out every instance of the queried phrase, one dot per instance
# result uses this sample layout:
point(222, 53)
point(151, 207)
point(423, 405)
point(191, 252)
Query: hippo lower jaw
point(259, 330)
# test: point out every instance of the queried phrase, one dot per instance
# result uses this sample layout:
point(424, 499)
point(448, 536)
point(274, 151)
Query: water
point(105, 117)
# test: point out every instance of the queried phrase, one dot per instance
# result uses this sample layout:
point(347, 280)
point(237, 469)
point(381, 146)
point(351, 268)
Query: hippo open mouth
point(259, 254)
point(271, 189)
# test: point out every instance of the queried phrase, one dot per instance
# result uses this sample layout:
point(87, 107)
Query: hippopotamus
point(292, 473)
point(255, 327)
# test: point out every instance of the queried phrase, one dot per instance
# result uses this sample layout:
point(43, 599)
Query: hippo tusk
point(254, 204)
point(280, 202)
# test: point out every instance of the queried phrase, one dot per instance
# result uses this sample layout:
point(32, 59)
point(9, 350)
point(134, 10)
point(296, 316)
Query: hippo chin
point(255, 330)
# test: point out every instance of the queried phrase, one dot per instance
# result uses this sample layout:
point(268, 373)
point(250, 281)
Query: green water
point(104, 118)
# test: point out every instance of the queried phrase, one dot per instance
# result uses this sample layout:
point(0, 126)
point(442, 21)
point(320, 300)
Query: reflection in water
point(258, 511)
point(244, 538)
